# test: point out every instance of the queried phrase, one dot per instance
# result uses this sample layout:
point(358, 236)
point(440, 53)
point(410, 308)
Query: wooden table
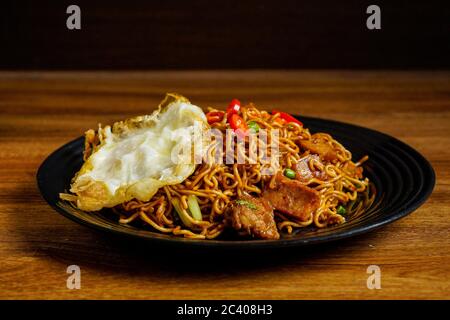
point(42, 111)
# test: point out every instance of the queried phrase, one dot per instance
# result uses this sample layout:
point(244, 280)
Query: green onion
point(253, 126)
point(341, 210)
point(194, 207)
point(246, 203)
point(289, 173)
point(181, 212)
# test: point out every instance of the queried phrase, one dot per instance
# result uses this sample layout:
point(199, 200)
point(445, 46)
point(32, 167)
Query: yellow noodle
point(217, 184)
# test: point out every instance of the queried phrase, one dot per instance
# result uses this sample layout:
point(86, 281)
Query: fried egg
point(138, 156)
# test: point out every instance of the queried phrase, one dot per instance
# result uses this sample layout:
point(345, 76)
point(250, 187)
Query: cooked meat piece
point(292, 198)
point(253, 216)
point(319, 145)
point(304, 172)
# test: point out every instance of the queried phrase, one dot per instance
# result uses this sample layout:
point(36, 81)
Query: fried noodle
point(216, 184)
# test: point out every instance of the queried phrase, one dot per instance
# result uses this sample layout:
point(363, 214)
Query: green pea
point(341, 210)
point(289, 173)
point(253, 126)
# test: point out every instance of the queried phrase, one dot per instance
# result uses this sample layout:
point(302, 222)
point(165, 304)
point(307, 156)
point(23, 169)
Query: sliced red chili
point(238, 125)
point(287, 117)
point(233, 108)
point(214, 116)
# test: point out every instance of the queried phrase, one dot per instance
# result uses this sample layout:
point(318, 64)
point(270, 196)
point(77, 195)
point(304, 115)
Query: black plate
point(403, 179)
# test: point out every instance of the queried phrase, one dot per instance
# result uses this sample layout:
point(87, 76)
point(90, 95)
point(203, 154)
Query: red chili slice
point(214, 116)
point(287, 117)
point(238, 125)
point(233, 108)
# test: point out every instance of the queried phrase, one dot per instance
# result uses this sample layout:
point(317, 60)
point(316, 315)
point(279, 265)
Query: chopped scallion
point(341, 210)
point(253, 126)
point(246, 203)
point(181, 212)
point(194, 207)
point(289, 173)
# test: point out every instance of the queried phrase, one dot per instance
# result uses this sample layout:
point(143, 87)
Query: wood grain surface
point(41, 111)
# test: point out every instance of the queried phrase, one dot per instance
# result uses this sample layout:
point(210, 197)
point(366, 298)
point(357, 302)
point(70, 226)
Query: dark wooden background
point(208, 34)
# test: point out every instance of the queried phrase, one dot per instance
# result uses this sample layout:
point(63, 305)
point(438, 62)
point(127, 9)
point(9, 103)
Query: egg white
point(138, 156)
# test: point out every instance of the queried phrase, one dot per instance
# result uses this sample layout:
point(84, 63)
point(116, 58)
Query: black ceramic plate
point(403, 179)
